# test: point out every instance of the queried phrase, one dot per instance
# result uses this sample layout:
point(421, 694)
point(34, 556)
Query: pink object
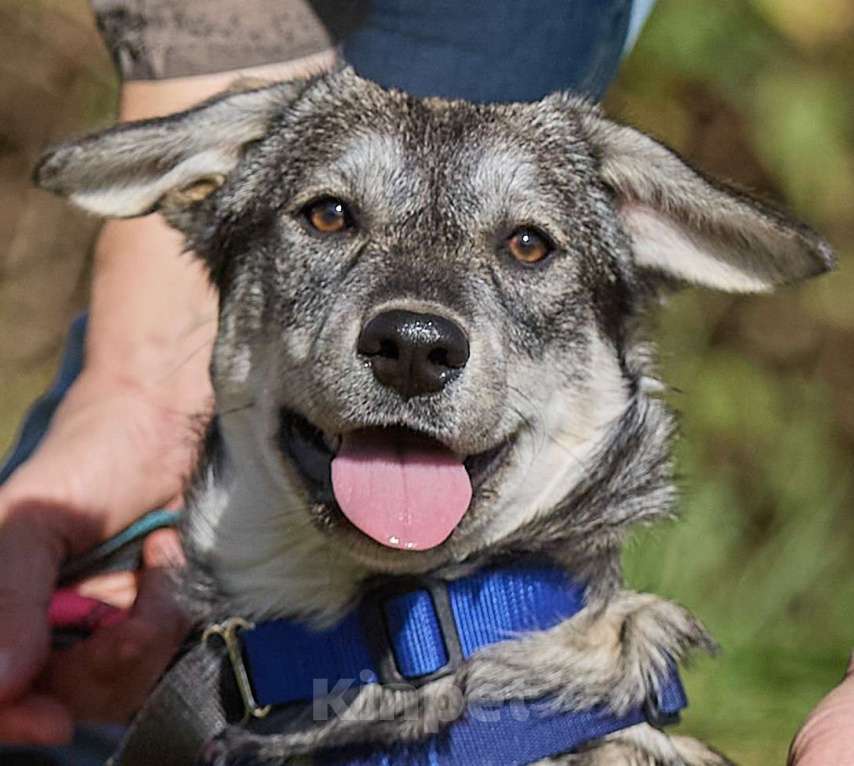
point(403, 490)
point(68, 609)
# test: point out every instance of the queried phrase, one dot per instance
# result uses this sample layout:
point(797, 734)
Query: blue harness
point(415, 631)
point(405, 633)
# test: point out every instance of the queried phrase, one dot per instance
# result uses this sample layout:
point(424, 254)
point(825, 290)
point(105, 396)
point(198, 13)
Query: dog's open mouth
point(400, 487)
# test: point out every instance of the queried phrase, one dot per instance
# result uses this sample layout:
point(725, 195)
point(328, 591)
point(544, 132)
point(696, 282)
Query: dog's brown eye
point(328, 215)
point(529, 245)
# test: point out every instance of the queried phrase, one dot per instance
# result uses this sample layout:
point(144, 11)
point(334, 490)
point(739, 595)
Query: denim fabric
point(484, 50)
point(38, 417)
point(640, 13)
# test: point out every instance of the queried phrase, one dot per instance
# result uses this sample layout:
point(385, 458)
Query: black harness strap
point(182, 714)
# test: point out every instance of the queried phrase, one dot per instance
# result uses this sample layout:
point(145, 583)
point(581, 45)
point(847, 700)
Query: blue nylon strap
point(495, 605)
point(513, 734)
point(287, 662)
point(284, 657)
point(416, 634)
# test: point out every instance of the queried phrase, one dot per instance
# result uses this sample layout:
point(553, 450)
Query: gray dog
point(429, 364)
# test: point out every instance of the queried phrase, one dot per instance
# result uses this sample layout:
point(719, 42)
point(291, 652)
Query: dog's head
point(426, 306)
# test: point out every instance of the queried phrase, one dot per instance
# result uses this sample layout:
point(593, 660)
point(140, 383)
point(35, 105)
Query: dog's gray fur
point(558, 366)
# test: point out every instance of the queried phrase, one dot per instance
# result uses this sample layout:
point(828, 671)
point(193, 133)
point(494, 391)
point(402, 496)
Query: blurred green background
point(760, 92)
point(757, 91)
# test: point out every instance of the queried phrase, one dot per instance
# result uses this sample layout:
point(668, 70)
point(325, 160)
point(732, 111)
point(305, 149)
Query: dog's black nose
point(415, 354)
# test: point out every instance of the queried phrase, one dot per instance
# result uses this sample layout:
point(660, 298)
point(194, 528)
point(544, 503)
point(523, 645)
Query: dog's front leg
point(613, 654)
point(238, 747)
point(641, 745)
point(610, 654)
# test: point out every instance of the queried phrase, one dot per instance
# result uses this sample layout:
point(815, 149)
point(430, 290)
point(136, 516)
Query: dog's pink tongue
point(402, 490)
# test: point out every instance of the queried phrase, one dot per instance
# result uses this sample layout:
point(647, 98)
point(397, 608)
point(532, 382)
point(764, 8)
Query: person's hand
point(827, 736)
point(113, 451)
point(121, 444)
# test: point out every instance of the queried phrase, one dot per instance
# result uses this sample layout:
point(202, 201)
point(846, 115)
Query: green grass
point(758, 91)
point(762, 553)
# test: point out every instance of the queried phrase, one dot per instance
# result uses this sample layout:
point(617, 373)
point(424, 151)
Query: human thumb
point(29, 561)
point(30, 554)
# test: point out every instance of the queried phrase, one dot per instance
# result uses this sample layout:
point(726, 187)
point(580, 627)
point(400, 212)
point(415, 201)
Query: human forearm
point(153, 313)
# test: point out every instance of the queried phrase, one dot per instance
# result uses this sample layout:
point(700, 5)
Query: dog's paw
point(602, 656)
point(678, 751)
point(644, 745)
point(232, 748)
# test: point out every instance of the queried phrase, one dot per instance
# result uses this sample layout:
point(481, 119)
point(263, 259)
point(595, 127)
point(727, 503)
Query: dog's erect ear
point(692, 229)
point(129, 170)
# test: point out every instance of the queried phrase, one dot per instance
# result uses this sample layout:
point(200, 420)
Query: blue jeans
point(482, 50)
point(39, 415)
point(486, 50)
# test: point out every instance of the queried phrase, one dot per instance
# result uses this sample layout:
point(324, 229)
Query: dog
point(430, 358)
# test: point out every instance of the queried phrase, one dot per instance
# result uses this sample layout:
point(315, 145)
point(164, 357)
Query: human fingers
point(827, 736)
point(30, 554)
point(31, 549)
point(107, 676)
point(36, 719)
point(118, 589)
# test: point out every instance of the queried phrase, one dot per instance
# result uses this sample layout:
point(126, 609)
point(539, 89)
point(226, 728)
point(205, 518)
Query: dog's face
point(426, 306)
point(411, 290)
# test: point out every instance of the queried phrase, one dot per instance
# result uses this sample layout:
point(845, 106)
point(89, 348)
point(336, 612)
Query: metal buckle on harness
point(228, 632)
